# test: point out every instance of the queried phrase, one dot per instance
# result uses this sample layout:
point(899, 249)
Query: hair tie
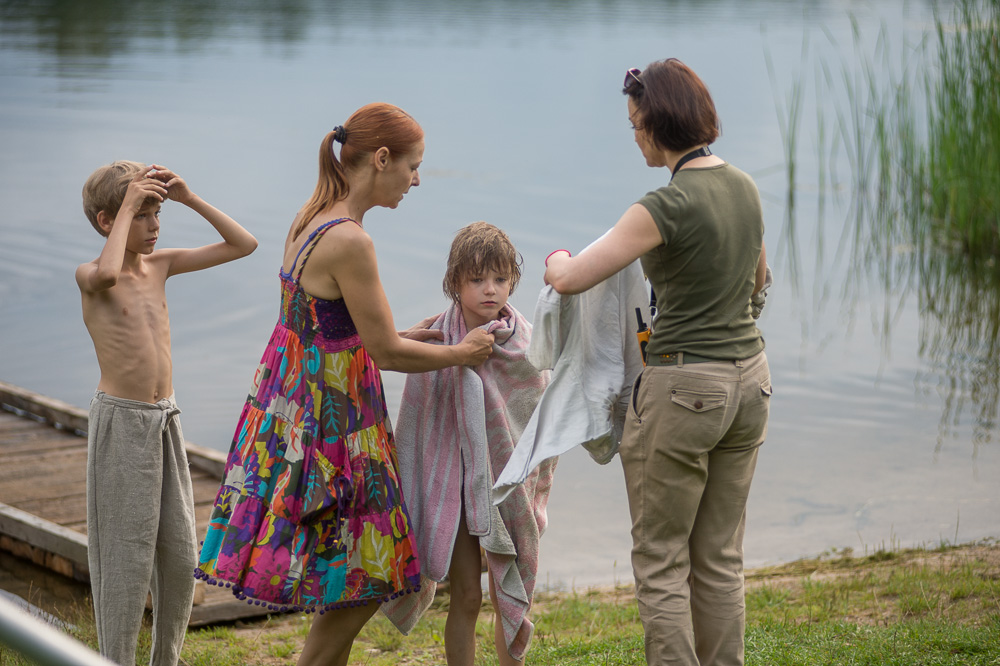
point(568, 254)
point(339, 134)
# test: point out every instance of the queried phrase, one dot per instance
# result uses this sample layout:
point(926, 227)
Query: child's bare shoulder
point(83, 273)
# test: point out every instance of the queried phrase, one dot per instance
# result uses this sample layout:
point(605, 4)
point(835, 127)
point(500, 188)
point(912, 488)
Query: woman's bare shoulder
point(346, 238)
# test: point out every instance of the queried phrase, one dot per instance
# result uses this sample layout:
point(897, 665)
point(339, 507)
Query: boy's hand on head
point(177, 187)
point(143, 187)
point(421, 331)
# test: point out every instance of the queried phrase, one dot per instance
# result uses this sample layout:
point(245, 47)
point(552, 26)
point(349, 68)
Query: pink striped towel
point(456, 429)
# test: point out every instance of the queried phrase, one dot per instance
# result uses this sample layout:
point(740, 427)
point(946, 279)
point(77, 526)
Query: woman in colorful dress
point(310, 515)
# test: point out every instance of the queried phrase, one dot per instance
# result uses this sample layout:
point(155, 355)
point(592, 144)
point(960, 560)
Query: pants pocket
point(696, 416)
point(633, 410)
point(697, 401)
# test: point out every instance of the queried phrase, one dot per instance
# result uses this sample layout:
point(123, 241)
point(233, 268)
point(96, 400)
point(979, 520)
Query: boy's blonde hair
point(105, 189)
point(477, 248)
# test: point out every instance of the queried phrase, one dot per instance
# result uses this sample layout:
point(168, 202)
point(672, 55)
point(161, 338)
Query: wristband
point(553, 252)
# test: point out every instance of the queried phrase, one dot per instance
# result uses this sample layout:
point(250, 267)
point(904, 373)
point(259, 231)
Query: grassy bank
point(924, 606)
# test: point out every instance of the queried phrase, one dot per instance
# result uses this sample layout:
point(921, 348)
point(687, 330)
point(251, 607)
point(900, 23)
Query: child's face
point(483, 296)
point(145, 229)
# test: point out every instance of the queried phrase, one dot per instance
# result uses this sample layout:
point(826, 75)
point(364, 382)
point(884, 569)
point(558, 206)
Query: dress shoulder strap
point(311, 242)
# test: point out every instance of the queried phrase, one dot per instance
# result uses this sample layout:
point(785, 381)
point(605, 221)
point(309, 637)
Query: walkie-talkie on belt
point(642, 333)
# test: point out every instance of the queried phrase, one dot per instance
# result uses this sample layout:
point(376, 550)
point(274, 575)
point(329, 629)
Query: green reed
point(918, 131)
point(789, 118)
point(961, 178)
point(922, 141)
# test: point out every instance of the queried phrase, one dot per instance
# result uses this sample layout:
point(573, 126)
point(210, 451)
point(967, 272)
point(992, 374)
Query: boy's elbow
point(239, 250)
point(102, 281)
point(247, 248)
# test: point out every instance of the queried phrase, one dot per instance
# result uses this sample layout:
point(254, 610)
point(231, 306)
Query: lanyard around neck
point(700, 152)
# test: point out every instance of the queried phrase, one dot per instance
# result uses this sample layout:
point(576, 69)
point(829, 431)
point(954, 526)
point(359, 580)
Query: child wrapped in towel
point(456, 430)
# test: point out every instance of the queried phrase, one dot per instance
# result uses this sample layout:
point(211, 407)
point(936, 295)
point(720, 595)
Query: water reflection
point(888, 253)
point(960, 338)
point(94, 32)
point(521, 101)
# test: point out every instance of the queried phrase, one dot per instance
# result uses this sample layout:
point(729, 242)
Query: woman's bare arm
point(350, 253)
point(633, 235)
point(761, 276)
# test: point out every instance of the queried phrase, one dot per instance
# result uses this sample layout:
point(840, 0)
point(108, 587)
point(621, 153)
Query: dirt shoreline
point(262, 634)
point(841, 564)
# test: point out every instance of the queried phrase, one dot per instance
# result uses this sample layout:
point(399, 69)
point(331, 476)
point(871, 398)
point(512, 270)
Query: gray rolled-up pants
point(140, 526)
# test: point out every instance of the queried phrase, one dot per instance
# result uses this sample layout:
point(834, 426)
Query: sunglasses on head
point(632, 79)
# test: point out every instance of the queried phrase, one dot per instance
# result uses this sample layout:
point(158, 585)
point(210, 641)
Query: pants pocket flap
point(697, 401)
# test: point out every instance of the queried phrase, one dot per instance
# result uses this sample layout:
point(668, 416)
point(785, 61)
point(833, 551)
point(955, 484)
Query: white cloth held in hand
point(589, 341)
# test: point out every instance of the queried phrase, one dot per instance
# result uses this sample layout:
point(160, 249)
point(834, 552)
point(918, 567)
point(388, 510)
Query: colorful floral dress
point(310, 515)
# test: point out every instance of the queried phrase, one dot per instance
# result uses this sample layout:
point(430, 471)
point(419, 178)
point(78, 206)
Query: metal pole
point(42, 643)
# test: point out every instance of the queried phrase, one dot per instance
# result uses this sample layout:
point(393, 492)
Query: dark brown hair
point(674, 106)
point(369, 128)
point(477, 248)
point(105, 189)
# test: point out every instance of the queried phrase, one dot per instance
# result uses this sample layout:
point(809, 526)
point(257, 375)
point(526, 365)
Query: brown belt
point(679, 358)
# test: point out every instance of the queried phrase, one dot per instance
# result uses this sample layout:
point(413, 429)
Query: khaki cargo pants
point(689, 451)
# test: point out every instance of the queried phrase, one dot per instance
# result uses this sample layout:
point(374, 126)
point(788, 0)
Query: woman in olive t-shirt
point(699, 409)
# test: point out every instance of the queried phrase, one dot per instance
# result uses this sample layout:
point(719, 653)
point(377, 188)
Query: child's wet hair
point(477, 248)
point(105, 189)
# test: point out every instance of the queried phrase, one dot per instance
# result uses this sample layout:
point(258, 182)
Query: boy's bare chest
point(130, 326)
point(135, 305)
point(142, 305)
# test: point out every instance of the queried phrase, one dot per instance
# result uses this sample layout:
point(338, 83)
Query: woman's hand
point(555, 256)
point(421, 331)
point(476, 346)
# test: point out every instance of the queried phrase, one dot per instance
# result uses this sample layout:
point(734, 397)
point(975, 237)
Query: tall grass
point(789, 117)
point(962, 174)
point(921, 140)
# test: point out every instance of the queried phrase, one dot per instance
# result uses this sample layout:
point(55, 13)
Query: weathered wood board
point(43, 500)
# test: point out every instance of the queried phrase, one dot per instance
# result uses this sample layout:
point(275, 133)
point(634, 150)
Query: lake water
point(883, 428)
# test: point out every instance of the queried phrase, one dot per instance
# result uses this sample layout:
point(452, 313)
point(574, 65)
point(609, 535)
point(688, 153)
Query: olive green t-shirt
point(703, 273)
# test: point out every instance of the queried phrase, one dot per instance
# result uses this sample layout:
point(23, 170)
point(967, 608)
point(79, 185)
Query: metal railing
point(41, 642)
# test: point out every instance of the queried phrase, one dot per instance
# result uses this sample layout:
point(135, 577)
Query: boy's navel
point(125, 311)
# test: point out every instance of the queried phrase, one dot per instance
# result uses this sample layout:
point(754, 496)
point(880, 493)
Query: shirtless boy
point(140, 506)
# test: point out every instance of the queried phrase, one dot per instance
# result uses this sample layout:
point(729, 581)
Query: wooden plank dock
point(43, 494)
